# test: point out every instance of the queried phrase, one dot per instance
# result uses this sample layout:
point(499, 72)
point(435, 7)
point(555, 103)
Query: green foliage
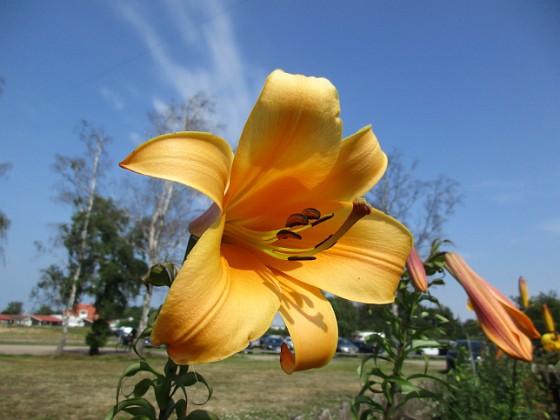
point(534, 311)
point(404, 334)
point(501, 388)
point(13, 308)
point(346, 316)
point(110, 266)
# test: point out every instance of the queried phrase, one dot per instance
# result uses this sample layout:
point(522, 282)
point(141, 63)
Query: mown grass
point(245, 386)
point(41, 335)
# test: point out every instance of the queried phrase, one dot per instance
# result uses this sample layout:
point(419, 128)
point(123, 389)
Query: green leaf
point(142, 387)
point(135, 406)
point(202, 415)
point(140, 366)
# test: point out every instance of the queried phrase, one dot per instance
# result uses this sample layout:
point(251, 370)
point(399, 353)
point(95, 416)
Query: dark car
point(346, 346)
point(272, 342)
point(363, 347)
point(465, 350)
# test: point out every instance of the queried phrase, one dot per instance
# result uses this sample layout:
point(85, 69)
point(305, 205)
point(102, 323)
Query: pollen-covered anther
point(311, 213)
point(297, 219)
point(287, 234)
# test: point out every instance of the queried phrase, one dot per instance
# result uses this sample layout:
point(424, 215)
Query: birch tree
point(79, 178)
point(163, 208)
point(4, 220)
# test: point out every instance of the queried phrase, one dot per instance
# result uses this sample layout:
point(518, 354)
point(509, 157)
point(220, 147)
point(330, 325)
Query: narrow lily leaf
point(201, 415)
point(138, 406)
point(140, 366)
point(142, 387)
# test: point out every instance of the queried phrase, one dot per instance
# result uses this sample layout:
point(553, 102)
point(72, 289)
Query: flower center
point(278, 243)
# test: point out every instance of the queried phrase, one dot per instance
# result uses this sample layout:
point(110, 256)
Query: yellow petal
point(199, 160)
point(293, 133)
point(217, 304)
point(311, 322)
point(365, 265)
point(550, 342)
point(498, 322)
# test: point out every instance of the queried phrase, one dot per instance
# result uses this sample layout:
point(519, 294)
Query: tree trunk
point(81, 251)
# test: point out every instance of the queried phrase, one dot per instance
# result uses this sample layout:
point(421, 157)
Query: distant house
point(45, 320)
point(6, 319)
point(82, 314)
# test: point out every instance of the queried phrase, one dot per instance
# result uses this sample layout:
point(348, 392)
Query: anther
point(322, 219)
point(287, 234)
point(301, 258)
point(311, 213)
point(297, 219)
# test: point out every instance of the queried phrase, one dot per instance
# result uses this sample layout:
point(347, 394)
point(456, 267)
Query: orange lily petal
point(501, 324)
point(218, 303)
point(199, 160)
point(311, 322)
point(365, 265)
point(293, 135)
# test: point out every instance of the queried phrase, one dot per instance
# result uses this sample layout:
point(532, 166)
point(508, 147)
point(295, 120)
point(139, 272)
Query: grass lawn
point(245, 386)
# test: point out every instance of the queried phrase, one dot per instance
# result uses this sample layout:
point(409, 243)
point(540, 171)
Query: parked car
point(470, 349)
point(362, 346)
point(346, 346)
point(272, 342)
point(288, 341)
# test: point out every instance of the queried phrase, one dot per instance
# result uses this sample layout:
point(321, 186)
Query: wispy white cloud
point(551, 225)
point(113, 98)
point(207, 32)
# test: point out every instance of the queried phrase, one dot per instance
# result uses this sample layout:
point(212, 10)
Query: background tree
point(423, 206)
point(162, 209)
point(346, 315)
point(77, 189)
point(110, 267)
point(4, 221)
point(13, 308)
point(535, 309)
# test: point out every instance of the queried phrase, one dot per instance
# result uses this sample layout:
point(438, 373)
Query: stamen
point(287, 234)
point(323, 241)
point(322, 219)
point(301, 258)
point(311, 213)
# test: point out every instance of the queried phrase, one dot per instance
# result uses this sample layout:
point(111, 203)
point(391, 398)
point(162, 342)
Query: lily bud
point(523, 293)
point(547, 318)
point(417, 271)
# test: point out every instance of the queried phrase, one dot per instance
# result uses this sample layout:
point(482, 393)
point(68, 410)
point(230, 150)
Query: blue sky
point(470, 89)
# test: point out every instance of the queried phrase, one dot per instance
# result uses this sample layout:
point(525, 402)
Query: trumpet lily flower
point(504, 324)
point(285, 224)
point(417, 271)
point(523, 293)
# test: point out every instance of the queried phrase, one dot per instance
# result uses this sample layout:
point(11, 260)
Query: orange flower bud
point(523, 293)
point(416, 271)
